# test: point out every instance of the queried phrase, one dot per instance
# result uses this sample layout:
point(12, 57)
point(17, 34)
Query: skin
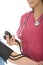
point(38, 10)
point(38, 6)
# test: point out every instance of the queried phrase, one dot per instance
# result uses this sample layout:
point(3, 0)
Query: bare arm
point(40, 63)
point(23, 61)
point(7, 53)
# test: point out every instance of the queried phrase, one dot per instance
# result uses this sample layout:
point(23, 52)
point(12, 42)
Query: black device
point(8, 33)
point(5, 51)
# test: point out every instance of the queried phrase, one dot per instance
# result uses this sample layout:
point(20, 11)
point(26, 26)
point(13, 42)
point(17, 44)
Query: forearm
point(23, 61)
point(8, 54)
point(40, 63)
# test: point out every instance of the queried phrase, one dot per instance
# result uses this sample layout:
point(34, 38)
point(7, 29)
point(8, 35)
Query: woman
point(31, 33)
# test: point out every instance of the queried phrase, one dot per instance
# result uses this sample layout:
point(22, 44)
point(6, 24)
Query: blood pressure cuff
point(5, 51)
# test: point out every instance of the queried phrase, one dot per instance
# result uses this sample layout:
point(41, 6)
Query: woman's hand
point(40, 63)
point(10, 41)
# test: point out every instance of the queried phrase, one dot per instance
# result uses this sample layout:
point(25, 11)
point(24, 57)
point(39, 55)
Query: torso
point(32, 39)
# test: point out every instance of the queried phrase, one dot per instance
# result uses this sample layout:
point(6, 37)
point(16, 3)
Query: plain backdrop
point(10, 14)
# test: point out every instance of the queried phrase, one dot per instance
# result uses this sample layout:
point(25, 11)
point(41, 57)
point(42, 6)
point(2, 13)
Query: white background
point(10, 14)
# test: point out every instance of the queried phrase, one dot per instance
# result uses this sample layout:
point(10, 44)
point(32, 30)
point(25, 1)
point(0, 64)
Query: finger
point(12, 40)
point(8, 39)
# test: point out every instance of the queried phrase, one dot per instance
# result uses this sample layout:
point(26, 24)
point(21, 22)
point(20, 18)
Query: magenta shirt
point(32, 37)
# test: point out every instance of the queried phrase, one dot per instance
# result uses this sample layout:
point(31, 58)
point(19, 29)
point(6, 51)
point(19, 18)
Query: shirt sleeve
point(2, 61)
point(22, 20)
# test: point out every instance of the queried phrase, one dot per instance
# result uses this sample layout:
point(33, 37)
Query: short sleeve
point(22, 20)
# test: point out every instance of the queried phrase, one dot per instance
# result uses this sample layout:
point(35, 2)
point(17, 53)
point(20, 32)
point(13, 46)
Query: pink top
point(32, 37)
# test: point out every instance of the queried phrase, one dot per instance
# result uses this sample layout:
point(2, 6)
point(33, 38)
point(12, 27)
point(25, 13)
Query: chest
point(32, 36)
point(31, 30)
